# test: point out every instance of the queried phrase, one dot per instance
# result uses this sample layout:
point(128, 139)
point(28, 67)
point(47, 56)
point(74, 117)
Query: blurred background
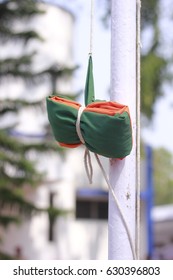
point(48, 210)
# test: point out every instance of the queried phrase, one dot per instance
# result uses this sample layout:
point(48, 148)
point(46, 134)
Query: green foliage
point(152, 76)
point(6, 220)
point(8, 105)
point(163, 177)
point(55, 212)
point(154, 73)
point(4, 256)
point(58, 70)
point(155, 70)
point(17, 11)
point(154, 65)
point(25, 36)
point(18, 68)
point(15, 169)
point(13, 199)
point(149, 12)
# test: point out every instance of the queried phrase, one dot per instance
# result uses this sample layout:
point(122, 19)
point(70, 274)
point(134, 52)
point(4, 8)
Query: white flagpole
point(123, 90)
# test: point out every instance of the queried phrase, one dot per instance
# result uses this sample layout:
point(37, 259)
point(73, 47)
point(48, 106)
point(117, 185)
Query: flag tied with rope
point(103, 126)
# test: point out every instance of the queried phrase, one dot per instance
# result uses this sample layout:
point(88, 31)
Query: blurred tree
point(163, 177)
point(155, 72)
point(17, 170)
point(154, 64)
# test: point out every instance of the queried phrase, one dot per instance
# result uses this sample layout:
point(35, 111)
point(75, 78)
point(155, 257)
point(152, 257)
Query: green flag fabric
point(105, 126)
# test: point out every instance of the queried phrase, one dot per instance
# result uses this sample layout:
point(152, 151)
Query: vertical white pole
point(123, 90)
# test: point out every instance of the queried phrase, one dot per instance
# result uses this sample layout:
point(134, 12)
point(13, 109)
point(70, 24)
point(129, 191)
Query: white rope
point(87, 156)
point(88, 165)
point(78, 130)
point(138, 46)
point(118, 206)
point(91, 26)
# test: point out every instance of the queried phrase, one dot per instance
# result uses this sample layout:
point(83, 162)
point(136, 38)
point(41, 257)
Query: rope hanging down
point(87, 157)
point(91, 26)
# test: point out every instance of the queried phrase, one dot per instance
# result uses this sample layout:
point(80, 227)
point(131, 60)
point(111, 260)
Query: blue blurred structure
point(148, 196)
point(19, 134)
point(88, 192)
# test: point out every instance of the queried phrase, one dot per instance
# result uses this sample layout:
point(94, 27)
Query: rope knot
point(87, 156)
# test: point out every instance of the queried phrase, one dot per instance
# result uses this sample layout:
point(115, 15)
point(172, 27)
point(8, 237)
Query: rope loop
point(78, 130)
point(88, 165)
point(87, 156)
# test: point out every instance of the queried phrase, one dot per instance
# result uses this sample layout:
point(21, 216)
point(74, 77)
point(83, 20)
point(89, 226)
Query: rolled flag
point(105, 126)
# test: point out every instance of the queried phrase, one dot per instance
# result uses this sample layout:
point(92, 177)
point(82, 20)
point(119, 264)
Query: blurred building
point(82, 233)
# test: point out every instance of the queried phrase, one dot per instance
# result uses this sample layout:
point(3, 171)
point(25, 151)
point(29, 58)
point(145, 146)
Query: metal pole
point(123, 90)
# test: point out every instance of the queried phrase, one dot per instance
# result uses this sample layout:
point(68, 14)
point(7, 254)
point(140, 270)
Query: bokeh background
point(48, 210)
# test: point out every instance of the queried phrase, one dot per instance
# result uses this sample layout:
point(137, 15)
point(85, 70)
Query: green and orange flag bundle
point(103, 126)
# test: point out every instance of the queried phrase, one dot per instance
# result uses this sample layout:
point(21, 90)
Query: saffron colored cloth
point(105, 126)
